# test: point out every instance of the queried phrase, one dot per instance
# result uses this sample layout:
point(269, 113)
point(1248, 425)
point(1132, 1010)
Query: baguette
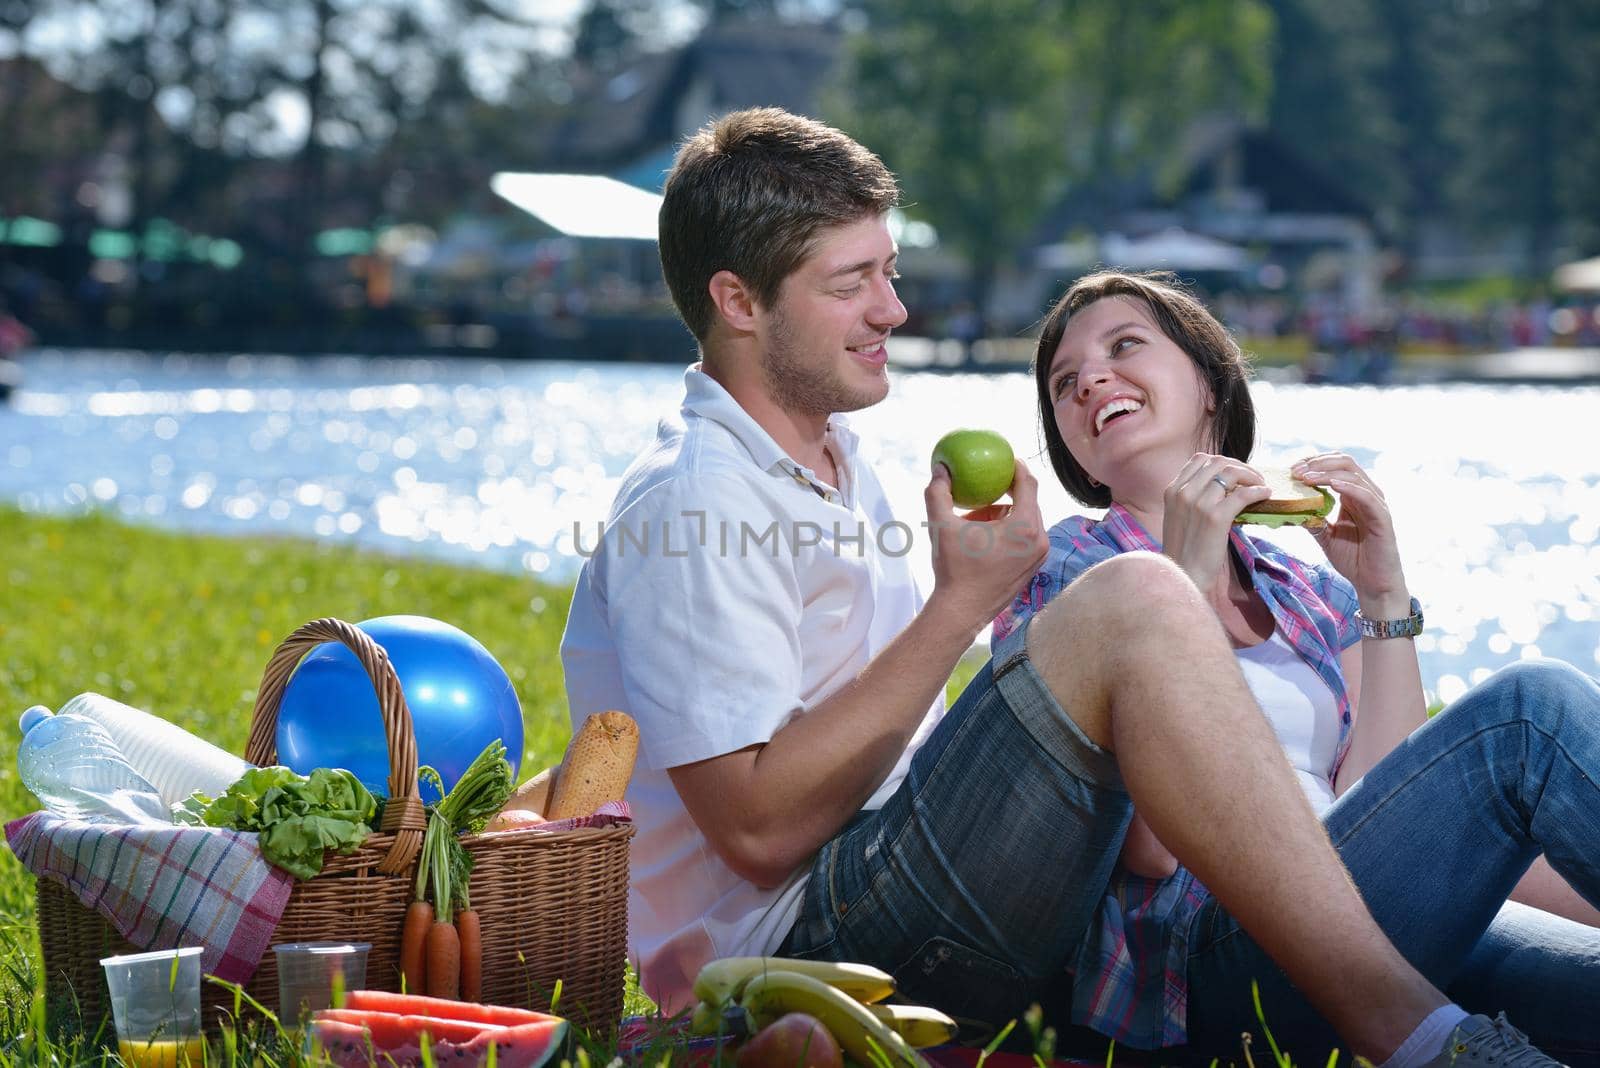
point(533, 795)
point(597, 765)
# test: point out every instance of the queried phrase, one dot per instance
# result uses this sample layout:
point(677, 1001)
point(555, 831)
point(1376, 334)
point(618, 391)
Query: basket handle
point(403, 814)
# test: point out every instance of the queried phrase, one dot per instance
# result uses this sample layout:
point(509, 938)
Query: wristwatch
point(1409, 627)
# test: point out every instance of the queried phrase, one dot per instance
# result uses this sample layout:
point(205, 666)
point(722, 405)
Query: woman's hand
point(1361, 543)
point(1198, 510)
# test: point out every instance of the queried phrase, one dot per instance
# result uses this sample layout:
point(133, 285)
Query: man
point(801, 789)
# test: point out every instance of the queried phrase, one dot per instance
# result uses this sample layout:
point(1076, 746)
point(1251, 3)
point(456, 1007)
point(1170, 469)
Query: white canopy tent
point(1174, 248)
point(582, 205)
point(1582, 276)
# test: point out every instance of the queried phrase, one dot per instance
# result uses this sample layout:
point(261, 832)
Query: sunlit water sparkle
point(1495, 489)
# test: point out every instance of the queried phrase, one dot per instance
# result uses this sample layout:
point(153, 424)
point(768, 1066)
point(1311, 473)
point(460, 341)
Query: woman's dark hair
point(1186, 322)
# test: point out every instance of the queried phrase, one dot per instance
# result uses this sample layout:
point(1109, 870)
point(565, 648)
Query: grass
point(183, 625)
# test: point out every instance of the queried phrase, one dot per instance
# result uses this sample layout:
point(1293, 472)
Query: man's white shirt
point(730, 591)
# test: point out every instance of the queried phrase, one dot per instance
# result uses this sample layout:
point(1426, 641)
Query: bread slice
point(1289, 495)
point(1292, 502)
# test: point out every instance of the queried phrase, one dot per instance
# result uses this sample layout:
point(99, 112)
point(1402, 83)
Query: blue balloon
point(459, 696)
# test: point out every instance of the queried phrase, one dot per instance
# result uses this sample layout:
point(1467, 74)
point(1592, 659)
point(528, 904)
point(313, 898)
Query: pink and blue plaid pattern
point(162, 888)
point(1132, 981)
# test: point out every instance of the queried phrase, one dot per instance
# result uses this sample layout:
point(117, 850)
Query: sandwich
point(1292, 503)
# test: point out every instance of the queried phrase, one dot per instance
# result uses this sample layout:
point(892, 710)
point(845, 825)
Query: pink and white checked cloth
point(164, 887)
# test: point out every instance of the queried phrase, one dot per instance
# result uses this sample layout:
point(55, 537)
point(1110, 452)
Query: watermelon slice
point(391, 1029)
point(417, 1005)
point(361, 1034)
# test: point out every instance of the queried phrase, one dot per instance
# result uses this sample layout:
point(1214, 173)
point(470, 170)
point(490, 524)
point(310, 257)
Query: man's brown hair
point(748, 194)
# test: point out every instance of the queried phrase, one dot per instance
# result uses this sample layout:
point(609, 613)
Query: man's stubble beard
point(800, 385)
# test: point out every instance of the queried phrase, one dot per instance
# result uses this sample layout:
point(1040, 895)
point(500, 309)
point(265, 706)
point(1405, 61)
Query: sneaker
point(1479, 1040)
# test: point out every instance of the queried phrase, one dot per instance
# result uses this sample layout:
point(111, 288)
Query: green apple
point(980, 463)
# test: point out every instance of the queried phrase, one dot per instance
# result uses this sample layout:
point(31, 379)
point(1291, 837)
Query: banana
point(920, 1025)
point(705, 1020)
point(867, 1039)
point(732, 1022)
point(721, 981)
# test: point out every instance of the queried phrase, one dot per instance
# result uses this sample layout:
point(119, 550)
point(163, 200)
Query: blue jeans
point(981, 872)
point(975, 884)
point(1435, 836)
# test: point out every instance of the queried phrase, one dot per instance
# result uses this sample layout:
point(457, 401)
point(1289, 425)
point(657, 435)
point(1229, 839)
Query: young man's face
point(822, 341)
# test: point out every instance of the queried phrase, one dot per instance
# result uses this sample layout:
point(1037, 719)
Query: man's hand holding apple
point(983, 557)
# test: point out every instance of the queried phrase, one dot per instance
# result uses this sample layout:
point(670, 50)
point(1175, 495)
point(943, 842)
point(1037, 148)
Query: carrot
point(444, 961)
point(471, 939)
point(443, 968)
point(413, 940)
point(446, 866)
point(414, 932)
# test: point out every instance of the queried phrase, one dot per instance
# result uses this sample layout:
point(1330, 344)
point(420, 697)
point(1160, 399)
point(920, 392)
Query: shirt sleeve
point(705, 622)
point(1073, 550)
point(1340, 597)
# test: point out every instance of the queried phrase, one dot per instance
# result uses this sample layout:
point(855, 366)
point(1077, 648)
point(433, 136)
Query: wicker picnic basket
point(554, 906)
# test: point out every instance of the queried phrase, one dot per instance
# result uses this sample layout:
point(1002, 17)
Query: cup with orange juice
point(155, 1004)
point(162, 1053)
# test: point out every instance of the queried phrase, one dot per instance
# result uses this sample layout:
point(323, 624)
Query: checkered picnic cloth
point(164, 887)
point(607, 815)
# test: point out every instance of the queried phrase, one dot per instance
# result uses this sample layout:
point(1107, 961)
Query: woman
point(1146, 411)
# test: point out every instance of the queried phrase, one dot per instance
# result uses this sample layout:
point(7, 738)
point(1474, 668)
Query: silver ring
point(1226, 489)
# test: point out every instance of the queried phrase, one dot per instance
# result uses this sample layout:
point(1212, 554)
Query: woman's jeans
point(1435, 836)
point(978, 880)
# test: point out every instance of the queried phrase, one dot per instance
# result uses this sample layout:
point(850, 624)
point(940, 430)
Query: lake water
point(1495, 489)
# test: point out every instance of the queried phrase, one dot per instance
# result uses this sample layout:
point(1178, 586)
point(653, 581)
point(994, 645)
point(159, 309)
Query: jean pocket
point(979, 992)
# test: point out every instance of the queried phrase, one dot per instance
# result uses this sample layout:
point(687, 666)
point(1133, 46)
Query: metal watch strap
point(1409, 627)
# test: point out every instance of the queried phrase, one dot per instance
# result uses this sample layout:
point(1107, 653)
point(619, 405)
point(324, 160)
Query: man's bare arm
point(767, 809)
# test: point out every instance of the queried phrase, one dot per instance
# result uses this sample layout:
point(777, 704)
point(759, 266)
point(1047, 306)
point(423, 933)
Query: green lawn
point(183, 626)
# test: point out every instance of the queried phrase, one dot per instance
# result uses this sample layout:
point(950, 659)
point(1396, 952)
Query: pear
point(794, 1040)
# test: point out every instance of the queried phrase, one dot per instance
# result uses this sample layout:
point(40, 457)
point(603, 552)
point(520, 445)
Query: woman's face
point(1128, 401)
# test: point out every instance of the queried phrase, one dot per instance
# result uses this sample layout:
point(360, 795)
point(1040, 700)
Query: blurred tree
point(604, 34)
point(1335, 81)
point(719, 10)
point(15, 114)
point(990, 111)
point(1145, 72)
point(966, 103)
point(1471, 117)
point(361, 71)
point(1581, 162)
point(1523, 121)
point(1411, 110)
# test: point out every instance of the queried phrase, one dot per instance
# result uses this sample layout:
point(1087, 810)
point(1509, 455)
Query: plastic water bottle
point(75, 769)
point(176, 762)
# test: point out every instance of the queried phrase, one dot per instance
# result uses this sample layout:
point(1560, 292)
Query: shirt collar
point(706, 397)
point(1125, 532)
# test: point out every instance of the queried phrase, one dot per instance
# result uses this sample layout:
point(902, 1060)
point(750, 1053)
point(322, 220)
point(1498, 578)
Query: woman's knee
point(1130, 615)
point(1135, 590)
point(1543, 691)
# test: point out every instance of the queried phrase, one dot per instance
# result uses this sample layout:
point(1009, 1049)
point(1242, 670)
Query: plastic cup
point(155, 1004)
point(308, 971)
